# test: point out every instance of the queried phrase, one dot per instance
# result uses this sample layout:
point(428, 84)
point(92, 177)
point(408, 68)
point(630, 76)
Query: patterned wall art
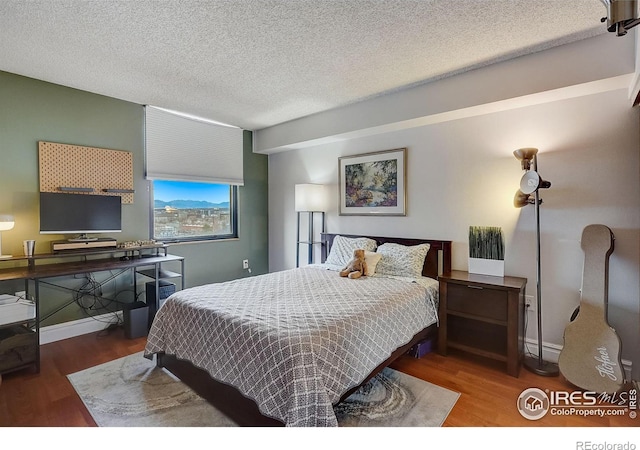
point(373, 183)
point(90, 170)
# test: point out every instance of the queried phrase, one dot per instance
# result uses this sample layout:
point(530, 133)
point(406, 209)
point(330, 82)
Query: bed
point(283, 348)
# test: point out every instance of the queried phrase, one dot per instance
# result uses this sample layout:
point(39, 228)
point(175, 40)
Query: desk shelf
point(131, 252)
point(162, 274)
point(21, 311)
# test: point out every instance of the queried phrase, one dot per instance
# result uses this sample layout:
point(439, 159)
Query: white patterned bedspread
point(294, 341)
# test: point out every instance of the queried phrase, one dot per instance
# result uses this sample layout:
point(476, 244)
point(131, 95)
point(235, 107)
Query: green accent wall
point(32, 111)
point(216, 261)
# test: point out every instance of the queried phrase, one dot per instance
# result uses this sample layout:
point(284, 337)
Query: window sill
point(200, 241)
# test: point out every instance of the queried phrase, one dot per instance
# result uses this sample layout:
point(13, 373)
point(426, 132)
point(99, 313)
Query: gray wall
point(461, 172)
point(32, 110)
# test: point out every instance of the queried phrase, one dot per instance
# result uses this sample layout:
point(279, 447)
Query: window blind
point(187, 149)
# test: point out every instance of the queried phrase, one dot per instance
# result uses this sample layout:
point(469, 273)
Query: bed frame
point(437, 262)
point(243, 410)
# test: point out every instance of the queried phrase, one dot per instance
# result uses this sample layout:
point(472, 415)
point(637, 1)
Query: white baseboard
point(79, 327)
point(551, 353)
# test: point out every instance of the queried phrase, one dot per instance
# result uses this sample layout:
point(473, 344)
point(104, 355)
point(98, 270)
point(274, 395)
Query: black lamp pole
point(531, 185)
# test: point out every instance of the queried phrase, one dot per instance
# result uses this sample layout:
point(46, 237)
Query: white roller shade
point(188, 149)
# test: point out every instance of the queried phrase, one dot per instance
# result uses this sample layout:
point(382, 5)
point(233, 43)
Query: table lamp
point(6, 223)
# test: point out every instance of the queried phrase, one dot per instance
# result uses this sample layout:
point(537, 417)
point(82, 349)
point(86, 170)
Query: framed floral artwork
point(373, 183)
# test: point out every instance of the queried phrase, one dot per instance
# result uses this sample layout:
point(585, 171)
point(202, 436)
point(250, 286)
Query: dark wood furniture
point(146, 261)
point(243, 410)
point(483, 315)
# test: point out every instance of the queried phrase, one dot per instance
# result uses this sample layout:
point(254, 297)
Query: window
point(195, 166)
point(189, 211)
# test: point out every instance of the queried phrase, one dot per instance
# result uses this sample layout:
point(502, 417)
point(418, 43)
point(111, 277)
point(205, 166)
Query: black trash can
point(136, 319)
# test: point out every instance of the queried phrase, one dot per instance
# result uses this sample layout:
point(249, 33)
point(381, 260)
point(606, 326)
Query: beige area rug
point(133, 392)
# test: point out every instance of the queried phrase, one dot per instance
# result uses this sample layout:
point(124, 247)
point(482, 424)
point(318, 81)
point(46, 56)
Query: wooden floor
point(488, 395)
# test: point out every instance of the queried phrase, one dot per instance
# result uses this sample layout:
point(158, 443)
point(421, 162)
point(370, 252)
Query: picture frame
point(373, 184)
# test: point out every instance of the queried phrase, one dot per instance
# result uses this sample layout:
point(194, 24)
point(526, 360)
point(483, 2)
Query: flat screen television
point(79, 214)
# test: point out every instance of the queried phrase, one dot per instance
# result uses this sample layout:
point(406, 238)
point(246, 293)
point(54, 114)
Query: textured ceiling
point(257, 63)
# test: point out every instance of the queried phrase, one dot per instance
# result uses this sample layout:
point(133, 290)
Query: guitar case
point(590, 357)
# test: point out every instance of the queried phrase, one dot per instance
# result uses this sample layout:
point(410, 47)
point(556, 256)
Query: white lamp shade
point(6, 222)
point(309, 197)
point(529, 182)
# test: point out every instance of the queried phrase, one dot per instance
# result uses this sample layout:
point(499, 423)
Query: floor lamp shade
point(309, 197)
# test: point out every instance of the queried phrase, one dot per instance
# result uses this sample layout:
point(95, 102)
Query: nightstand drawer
point(477, 301)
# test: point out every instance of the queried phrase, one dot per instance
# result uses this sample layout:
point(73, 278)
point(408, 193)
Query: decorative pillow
point(342, 249)
point(372, 259)
point(402, 260)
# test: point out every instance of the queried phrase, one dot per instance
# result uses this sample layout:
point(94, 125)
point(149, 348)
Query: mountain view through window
point(184, 210)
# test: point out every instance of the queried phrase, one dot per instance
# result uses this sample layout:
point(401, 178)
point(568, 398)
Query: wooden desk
point(145, 261)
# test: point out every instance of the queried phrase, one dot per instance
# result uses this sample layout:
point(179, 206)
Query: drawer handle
point(475, 287)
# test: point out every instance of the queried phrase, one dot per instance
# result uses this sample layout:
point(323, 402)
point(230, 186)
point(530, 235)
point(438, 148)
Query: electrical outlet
point(529, 303)
point(245, 263)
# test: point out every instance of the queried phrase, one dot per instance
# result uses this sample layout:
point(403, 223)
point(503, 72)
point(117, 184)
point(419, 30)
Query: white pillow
point(402, 260)
point(372, 259)
point(342, 249)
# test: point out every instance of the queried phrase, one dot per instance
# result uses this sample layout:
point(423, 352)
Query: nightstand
point(483, 315)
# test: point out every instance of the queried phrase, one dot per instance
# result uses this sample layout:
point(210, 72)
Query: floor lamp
point(530, 184)
point(309, 198)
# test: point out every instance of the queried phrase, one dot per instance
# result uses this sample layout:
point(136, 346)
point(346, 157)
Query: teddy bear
point(356, 267)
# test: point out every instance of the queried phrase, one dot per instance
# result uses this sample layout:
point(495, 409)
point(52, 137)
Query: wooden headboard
point(437, 262)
